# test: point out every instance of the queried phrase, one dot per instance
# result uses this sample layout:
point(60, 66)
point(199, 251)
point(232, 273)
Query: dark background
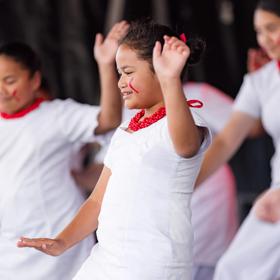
point(62, 32)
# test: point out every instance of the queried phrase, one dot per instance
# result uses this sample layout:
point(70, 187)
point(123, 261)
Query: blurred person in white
point(37, 193)
point(254, 252)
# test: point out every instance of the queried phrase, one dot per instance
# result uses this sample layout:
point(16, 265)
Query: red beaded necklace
point(135, 123)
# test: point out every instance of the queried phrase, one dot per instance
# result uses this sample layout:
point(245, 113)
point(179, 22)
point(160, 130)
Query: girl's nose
point(122, 83)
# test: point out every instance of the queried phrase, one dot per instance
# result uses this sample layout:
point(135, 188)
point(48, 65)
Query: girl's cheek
point(278, 39)
point(132, 85)
point(15, 95)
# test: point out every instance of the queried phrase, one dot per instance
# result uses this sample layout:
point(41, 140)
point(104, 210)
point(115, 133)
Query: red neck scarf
point(278, 63)
point(24, 111)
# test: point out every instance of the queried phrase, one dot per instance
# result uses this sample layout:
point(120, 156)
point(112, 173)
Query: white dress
point(144, 227)
point(214, 221)
point(255, 252)
point(38, 196)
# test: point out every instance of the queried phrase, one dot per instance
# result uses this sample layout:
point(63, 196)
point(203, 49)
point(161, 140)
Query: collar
point(24, 111)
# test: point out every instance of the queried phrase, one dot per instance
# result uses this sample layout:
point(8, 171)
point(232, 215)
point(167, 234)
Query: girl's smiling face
point(17, 86)
point(138, 84)
point(267, 26)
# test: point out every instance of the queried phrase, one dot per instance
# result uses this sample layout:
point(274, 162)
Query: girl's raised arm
point(104, 52)
point(169, 62)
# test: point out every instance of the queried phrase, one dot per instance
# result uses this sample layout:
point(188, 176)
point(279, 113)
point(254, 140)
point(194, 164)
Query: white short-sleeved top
point(259, 97)
point(38, 196)
point(144, 229)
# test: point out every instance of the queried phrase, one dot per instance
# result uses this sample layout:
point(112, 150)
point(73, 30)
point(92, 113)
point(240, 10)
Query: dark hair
point(23, 54)
point(143, 34)
point(272, 6)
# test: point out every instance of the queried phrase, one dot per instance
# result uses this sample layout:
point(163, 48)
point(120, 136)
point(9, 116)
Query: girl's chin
point(130, 105)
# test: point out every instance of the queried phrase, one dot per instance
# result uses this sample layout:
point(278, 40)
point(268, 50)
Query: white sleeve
point(105, 142)
point(199, 121)
point(108, 159)
point(76, 121)
point(165, 135)
point(248, 100)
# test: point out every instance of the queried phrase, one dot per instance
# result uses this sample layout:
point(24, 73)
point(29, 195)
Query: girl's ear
point(36, 80)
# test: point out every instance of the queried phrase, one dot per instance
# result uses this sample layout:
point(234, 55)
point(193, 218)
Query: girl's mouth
point(126, 94)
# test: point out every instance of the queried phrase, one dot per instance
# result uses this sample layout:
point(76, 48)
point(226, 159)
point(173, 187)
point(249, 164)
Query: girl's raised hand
point(53, 247)
point(105, 49)
point(170, 60)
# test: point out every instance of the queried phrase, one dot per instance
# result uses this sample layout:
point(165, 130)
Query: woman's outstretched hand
point(170, 59)
point(105, 49)
point(53, 247)
point(267, 207)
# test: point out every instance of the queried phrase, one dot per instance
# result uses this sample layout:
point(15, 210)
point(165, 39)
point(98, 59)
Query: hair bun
point(197, 47)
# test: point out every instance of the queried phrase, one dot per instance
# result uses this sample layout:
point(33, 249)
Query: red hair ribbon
point(183, 37)
point(194, 103)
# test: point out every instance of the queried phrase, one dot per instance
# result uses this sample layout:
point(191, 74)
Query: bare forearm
point(86, 220)
point(218, 154)
point(225, 144)
point(84, 223)
point(110, 102)
point(184, 133)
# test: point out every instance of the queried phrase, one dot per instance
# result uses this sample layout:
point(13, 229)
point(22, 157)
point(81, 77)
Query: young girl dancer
point(141, 203)
point(37, 193)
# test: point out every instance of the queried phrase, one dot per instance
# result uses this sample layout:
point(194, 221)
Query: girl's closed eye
point(10, 80)
point(127, 73)
point(272, 27)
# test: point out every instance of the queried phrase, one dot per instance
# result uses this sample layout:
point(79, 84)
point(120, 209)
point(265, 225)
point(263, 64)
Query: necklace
point(135, 123)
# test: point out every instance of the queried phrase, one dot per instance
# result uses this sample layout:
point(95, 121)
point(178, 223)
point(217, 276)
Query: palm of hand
point(171, 61)
point(107, 50)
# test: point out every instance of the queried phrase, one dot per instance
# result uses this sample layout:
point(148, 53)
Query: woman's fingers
point(118, 30)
